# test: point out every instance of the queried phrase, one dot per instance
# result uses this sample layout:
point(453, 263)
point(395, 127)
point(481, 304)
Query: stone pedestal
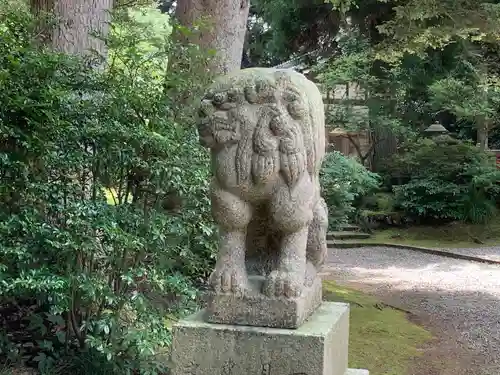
point(317, 347)
point(256, 309)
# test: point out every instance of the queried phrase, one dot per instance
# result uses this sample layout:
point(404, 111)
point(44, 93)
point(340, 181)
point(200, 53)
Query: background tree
point(77, 26)
point(417, 26)
point(224, 28)
point(471, 93)
point(374, 110)
point(280, 29)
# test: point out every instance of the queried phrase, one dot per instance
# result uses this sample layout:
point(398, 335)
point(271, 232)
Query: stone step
point(344, 235)
point(349, 227)
point(352, 371)
point(343, 244)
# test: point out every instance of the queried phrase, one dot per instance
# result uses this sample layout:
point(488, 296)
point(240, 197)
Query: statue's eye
point(251, 95)
point(208, 95)
point(219, 98)
point(232, 96)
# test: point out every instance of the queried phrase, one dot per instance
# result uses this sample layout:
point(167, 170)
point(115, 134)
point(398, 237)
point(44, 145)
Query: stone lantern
point(436, 129)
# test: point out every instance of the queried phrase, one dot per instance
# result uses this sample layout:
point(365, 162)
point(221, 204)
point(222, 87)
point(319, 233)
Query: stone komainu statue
point(266, 131)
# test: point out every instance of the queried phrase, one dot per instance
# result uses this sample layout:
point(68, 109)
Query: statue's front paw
point(284, 284)
point(229, 278)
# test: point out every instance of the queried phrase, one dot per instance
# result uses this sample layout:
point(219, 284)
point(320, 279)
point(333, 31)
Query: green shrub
point(380, 202)
point(104, 215)
point(344, 183)
point(446, 179)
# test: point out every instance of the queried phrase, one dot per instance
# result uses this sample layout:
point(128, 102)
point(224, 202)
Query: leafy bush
point(344, 183)
point(104, 214)
point(446, 179)
point(380, 202)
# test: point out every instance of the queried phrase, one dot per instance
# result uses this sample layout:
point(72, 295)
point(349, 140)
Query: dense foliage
point(433, 71)
point(104, 216)
point(345, 182)
point(446, 179)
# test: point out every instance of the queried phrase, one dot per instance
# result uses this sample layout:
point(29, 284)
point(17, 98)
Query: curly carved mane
point(286, 134)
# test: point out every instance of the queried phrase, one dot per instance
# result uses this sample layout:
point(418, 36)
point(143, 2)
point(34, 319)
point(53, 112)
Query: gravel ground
point(461, 297)
point(492, 253)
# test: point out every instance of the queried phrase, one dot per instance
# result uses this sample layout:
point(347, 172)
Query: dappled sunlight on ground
point(469, 276)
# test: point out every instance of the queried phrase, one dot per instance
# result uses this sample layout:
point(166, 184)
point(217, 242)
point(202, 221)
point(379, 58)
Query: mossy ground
point(382, 339)
point(454, 235)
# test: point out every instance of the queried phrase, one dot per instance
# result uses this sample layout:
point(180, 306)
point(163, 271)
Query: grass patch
point(382, 339)
point(454, 235)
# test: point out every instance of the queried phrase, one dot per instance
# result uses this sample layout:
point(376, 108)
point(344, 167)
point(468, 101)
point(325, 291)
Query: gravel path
point(462, 297)
point(492, 253)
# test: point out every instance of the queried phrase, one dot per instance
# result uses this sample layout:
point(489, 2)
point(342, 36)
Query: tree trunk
point(385, 144)
point(482, 136)
point(226, 28)
point(79, 25)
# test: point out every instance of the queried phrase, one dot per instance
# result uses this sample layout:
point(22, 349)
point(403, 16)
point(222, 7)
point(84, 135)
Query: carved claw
point(283, 284)
point(229, 279)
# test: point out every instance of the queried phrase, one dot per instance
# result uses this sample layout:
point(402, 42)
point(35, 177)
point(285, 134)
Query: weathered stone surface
point(318, 347)
point(266, 131)
point(256, 309)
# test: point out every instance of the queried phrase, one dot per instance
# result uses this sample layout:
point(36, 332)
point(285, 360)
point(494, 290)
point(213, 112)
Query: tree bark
point(79, 24)
point(226, 27)
point(482, 132)
point(482, 137)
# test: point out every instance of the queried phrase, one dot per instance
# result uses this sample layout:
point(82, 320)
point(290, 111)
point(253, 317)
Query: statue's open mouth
point(216, 129)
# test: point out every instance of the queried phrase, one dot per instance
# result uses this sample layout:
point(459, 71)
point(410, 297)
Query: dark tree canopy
point(280, 29)
point(167, 6)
